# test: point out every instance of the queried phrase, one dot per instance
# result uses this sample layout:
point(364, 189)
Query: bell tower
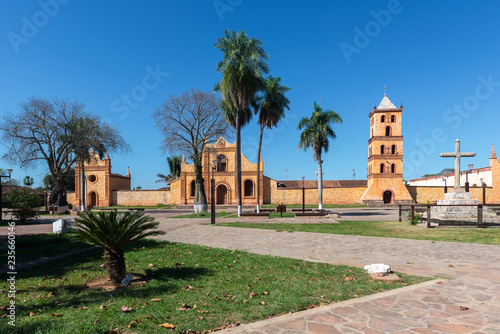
point(385, 156)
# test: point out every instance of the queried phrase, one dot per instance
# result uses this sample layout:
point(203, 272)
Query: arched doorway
point(93, 202)
point(387, 197)
point(221, 194)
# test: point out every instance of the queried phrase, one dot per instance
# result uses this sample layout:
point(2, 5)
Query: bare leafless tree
point(59, 132)
point(189, 122)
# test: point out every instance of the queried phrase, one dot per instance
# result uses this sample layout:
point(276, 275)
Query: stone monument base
point(455, 213)
point(459, 215)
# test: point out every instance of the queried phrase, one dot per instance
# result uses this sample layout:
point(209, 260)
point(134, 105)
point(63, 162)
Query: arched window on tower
point(382, 119)
point(369, 151)
point(370, 169)
point(248, 191)
point(222, 166)
point(387, 130)
point(381, 168)
point(393, 149)
point(393, 168)
point(393, 119)
point(193, 188)
point(382, 149)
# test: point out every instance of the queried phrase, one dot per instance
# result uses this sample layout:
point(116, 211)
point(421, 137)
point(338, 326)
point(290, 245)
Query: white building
point(476, 178)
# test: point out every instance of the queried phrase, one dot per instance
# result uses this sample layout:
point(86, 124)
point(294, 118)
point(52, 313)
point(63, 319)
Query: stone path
point(432, 307)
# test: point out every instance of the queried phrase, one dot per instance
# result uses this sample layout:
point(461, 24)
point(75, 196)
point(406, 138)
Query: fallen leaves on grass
point(126, 309)
point(167, 325)
point(56, 315)
point(188, 287)
point(134, 323)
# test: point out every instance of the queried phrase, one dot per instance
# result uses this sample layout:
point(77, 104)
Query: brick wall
point(139, 197)
point(338, 195)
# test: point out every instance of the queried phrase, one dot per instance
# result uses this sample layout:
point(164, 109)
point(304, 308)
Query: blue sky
point(439, 58)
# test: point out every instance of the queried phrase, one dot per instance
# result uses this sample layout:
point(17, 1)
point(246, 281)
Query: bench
point(300, 210)
point(135, 209)
point(311, 214)
point(266, 210)
point(107, 209)
point(252, 214)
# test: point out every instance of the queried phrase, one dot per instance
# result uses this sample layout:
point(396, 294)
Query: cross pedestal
point(458, 196)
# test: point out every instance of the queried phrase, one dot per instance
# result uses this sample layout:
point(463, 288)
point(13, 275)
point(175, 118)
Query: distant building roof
point(297, 184)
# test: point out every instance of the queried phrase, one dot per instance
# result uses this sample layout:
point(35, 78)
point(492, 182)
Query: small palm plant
point(112, 231)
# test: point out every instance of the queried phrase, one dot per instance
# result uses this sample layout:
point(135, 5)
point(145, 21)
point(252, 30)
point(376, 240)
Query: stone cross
point(457, 155)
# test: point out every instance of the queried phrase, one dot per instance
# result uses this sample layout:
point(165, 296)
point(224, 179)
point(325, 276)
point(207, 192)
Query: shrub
point(415, 220)
point(112, 231)
point(23, 203)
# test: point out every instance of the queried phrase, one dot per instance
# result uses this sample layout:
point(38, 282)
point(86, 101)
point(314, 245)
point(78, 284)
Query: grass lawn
point(315, 206)
point(285, 215)
point(402, 230)
point(206, 215)
point(33, 247)
point(192, 287)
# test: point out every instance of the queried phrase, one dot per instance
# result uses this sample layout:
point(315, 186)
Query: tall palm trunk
point(320, 182)
point(238, 162)
point(115, 264)
point(258, 167)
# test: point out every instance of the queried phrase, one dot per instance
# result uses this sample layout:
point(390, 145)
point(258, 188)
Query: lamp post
point(10, 179)
point(215, 163)
point(303, 196)
point(1, 190)
point(467, 177)
point(445, 187)
point(353, 174)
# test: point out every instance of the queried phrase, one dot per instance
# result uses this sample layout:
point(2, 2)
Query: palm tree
point(272, 105)
point(174, 166)
point(112, 231)
point(243, 64)
point(316, 132)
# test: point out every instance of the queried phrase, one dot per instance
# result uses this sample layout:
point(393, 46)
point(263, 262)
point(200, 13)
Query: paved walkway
point(431, 307)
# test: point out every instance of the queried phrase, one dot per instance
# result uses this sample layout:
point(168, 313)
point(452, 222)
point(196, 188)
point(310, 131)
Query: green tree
point(174, 166)
point(112, 231)
point(69, 181)
point(28, 181)
point(272, 105)
point(316, 133)
point(242, 67)
point(23, 203)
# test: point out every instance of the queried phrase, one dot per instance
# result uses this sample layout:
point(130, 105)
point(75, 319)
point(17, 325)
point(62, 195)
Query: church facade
point(384, 184)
